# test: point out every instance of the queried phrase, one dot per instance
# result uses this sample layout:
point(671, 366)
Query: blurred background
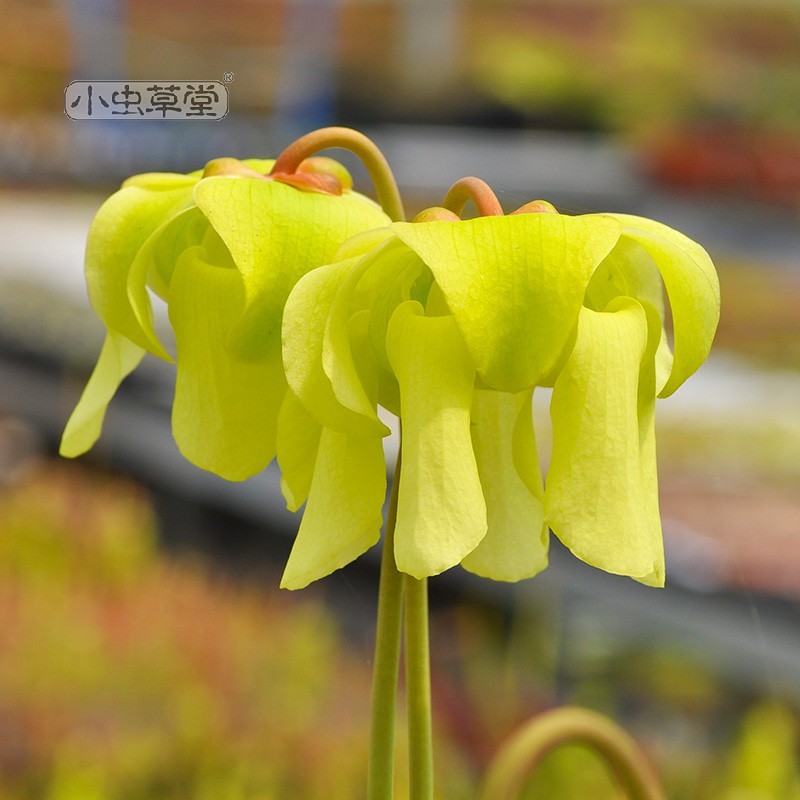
point(145, 651)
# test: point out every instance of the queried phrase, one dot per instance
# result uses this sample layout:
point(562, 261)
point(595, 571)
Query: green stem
point(523, 752)
point(418, 690)
point(375, 162)
point(478, 191)
point(386, 665)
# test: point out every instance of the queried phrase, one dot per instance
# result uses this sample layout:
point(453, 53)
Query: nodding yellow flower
point(452, 325)
point(223, 247)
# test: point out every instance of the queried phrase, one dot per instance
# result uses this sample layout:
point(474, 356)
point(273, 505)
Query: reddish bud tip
point(436, 214)
point(322, 165)
point(310, 182)
point(536, 207)
point(229, 166)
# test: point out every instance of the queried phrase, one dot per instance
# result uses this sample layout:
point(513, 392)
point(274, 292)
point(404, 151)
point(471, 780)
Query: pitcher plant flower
point(451, 325)
point(301, 308)
point(222, 247)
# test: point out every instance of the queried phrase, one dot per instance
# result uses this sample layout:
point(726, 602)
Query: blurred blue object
point(306, 84)
point(97, 34)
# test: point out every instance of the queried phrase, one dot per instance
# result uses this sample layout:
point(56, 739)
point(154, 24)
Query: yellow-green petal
point(118, 358)
point(155, 261)
point(343, 515)
point(225, 412)
point(601, 497)
point(362, 243)
point(118, 231)
point(275, 234)
point(298, 442)
point(514, 285)
point(348, 361)
point(441, 514)
point(162, 181)
point(628, 270)
point(305, 322)
point(393, 271)
point(159, 254)
point(516, 542)
point(692, 287)
point(370, 292)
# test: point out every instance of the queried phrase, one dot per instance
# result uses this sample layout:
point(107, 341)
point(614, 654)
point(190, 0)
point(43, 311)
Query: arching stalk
point(517, 759)
point(359, 144)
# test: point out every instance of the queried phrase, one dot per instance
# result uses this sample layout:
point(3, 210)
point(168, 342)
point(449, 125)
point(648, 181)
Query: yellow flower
point(223, 248)
point(451, 325)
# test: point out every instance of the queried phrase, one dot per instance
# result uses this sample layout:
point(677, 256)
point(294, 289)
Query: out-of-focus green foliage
point(763, 763)
point(125, 675)
point(128, 675)
point(640, 67)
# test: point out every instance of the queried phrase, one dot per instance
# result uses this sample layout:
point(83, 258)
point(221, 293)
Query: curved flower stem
point(518, 757)
point(478, 191)
point(377, 166)
point(418, 690)
point(386, 664)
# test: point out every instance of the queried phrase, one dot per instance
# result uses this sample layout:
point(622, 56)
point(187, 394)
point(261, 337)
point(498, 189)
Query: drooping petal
point(298, 442)
point(118, 358)
point(224, 417)
point(394, 271)
point(441, 512)
point(516, 542)
point(601, 497)
point(118, 231)
point(514, 285)
point(629, 271)
point(626, 271)
point(155, 262)
point(305, 322)
point(342, 518)
point(348, 361)
point(186, 229)
point(378, 282)
point(275, 234)
point(692, 287)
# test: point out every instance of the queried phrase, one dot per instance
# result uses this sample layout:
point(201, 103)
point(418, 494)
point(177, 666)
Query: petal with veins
point(118, 358)
point(692, 288)
point(298, 442)
point(224, 417)
point(601, 498)
point(441, 512)
point(342, 518)
point(514, 285)
point(515, 545)
point(120, 228)
point(276, 234)
point(305, 322)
